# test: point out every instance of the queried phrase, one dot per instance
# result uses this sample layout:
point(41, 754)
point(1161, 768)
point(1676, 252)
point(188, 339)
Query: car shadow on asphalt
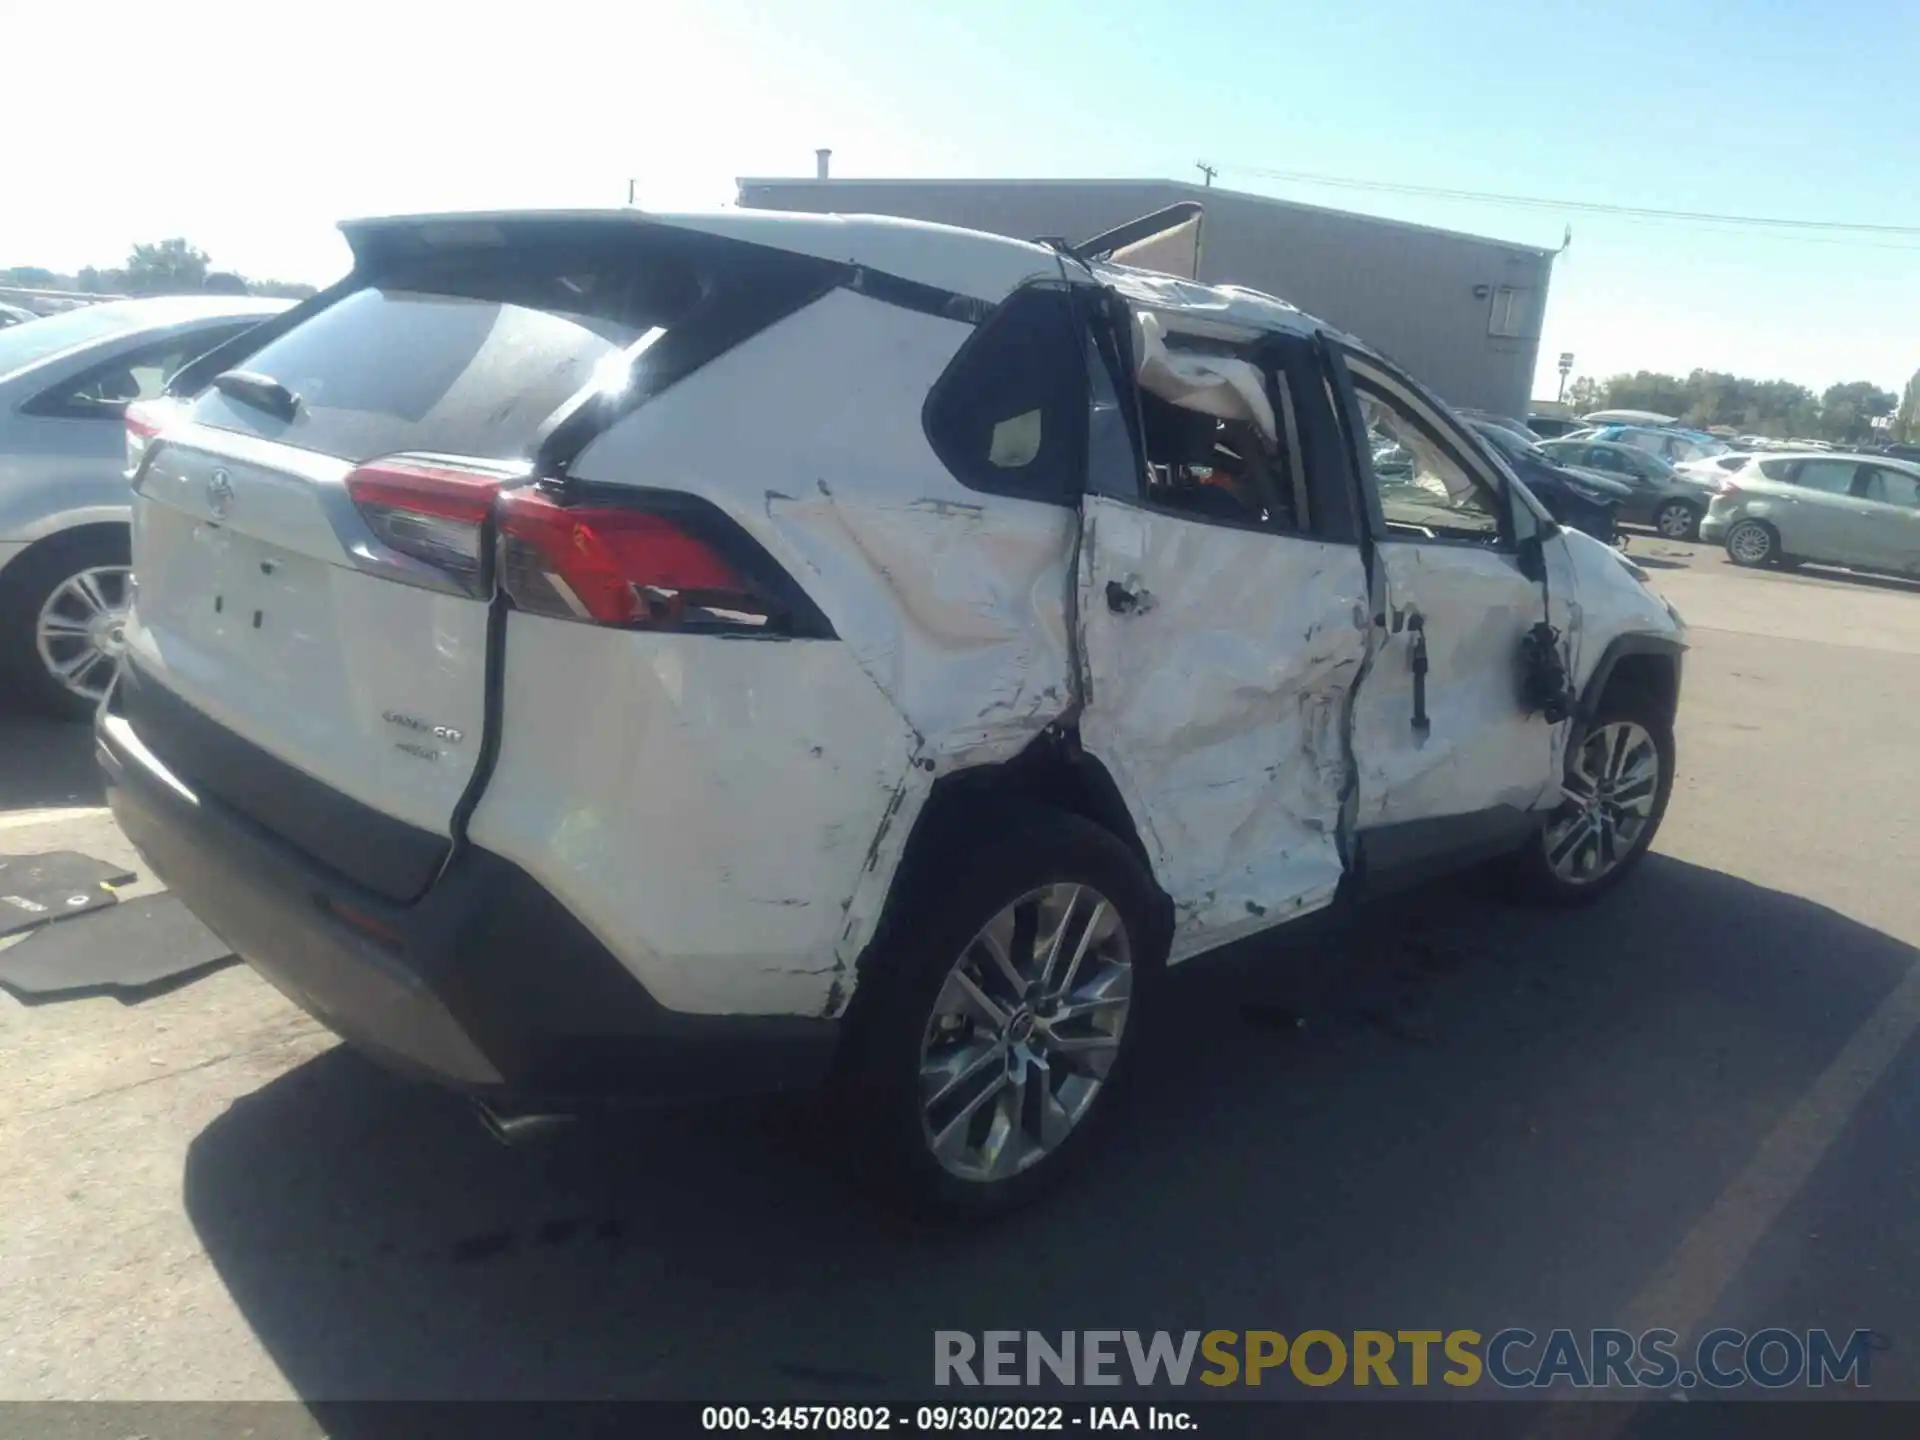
point(49, 763)
point(1462, 1112)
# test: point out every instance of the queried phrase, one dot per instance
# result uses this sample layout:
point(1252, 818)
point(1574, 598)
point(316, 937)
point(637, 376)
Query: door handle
point(1131, 598)
point(1417, 648)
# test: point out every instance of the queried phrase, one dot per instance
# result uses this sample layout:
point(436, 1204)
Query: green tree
point(32, 277)
point(1647, 390)
point(171, 267)
point(1906, 420)
point(285, 289)
point(1584, 395)
point(1847, 412)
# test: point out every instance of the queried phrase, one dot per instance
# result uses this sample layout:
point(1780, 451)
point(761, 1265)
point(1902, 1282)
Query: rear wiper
point(262, 392)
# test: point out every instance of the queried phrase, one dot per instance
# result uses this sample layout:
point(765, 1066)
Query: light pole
point(1566, 369)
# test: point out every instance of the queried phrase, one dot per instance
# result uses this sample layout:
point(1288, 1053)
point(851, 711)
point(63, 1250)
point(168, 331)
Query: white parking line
point(16, 819)
point(1699, 1271)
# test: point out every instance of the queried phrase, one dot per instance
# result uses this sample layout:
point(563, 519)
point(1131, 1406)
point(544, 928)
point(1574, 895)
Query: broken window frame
point(1290, 371)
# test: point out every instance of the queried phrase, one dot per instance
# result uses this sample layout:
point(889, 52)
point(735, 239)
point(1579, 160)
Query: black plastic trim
point(388, 857)
point(913, 295)
point(487, 984)
point(1297, 361)
point(493, 701)
point(1394, 857)
point(1617, 650)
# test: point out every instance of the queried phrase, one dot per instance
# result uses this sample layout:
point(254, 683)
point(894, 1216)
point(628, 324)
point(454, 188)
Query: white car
point(605, 657)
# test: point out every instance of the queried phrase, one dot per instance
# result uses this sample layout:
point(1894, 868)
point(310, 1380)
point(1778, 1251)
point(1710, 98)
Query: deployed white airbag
point(1216, 385)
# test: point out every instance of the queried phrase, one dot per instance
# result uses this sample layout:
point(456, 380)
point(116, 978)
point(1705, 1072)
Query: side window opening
point(1217, 469)
point(1426, 490)
point(1829, 477)
point(1010, 414)
point(105, 390)
point(1216, 446)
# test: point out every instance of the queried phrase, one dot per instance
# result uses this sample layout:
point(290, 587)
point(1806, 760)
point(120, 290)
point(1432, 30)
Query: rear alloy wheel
point(1751, 544)
point(1024, 1032)
point(1001, 1008)
point(1677, 520)
point(63, 622)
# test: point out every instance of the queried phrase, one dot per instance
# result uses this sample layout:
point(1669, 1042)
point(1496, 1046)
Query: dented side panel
point(952, 602)
point(1611, 603)
point(951, 607)
point(1482, 748)
point(1217, 699)
point(718, 813)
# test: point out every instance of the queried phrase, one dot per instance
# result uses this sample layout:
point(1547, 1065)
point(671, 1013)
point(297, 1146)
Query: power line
point(1587, 207)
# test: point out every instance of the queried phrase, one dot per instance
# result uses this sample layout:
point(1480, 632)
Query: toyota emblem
point(219, 494)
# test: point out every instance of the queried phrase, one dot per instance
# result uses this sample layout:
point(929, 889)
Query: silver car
point(1861, 511)
point(65, 384)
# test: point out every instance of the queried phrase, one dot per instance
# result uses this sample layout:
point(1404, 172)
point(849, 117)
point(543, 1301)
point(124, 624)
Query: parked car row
point(1662, 495)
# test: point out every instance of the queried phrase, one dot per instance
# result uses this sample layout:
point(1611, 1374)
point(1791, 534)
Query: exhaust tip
point(518, 1127)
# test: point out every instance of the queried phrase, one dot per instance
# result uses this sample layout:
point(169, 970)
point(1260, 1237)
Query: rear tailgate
point(293, 650)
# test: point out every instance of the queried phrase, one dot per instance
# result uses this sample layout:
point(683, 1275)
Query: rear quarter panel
point(727, 815)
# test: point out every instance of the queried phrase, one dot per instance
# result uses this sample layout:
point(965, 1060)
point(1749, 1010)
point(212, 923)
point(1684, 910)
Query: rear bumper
point(1714, 528)
point(486, 984)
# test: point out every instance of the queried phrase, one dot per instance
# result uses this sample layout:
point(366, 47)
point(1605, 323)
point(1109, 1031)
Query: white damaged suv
point(590, 658)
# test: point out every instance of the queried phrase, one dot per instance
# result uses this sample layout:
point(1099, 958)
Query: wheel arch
point(1648, 665)
point(65, 538)
point(1054, 772)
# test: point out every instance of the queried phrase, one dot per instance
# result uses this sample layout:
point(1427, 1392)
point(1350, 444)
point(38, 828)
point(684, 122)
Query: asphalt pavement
point(1688, 1106)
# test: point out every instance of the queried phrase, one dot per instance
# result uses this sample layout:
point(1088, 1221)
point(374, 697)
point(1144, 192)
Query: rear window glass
point(471, 351)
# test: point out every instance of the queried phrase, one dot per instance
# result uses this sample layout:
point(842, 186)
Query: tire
point(1677, 520)
point(1541, 870)
point(97, 563)
point(913, 1017)
point(1752, 544)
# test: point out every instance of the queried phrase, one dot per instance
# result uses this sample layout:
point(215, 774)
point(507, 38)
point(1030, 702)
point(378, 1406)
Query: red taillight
point(144, 422)
point(613, 566)
point(431, 510)
point(1726, 487)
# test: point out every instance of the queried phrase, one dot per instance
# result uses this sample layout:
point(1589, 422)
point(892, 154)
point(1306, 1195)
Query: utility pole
point(631, 184)
point(1209, 171)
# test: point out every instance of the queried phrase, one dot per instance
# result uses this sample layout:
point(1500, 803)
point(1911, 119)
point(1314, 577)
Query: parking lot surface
point(1691, 1105)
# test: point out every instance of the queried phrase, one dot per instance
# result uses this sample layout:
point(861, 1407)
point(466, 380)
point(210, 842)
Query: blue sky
point(251, 135)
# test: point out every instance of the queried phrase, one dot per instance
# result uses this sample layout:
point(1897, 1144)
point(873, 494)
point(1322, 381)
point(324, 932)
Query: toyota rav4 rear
point(462, 697)
point(604, 657)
